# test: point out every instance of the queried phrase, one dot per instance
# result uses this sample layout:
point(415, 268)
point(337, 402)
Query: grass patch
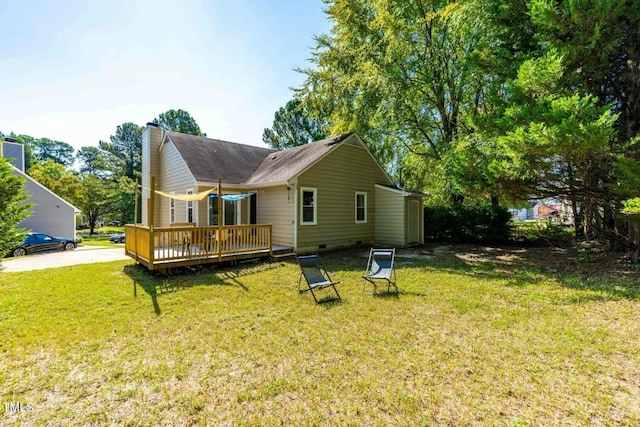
point(100, 237)
point(474, 337)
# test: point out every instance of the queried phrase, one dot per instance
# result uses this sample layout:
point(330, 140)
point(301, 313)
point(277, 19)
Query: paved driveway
point(81, 255)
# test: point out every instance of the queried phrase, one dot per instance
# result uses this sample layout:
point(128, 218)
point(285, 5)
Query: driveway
point(81, 255)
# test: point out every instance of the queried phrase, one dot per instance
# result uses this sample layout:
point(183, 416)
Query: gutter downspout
point(294, 188)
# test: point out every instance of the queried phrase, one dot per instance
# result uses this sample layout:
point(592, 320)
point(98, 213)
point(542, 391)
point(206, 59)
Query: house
point(324, 195)
point(50, 213)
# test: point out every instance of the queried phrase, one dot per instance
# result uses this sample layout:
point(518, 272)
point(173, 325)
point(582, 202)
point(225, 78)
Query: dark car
point(117, 238)
point(114, 223)
point(38, 242)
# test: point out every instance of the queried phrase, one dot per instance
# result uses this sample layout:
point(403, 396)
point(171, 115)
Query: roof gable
point(233, 163)
point(286, 164)
point(212, 159)
point(45, 189)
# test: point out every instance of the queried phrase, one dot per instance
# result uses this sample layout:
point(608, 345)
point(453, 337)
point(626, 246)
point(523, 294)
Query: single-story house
point(327, 194)
point(50, 214)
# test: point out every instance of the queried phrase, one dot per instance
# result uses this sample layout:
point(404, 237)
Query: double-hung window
point(361, 207)
point(190, 216)
point(309, 206)
point(172, 209)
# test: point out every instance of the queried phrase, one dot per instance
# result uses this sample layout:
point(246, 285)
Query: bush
point(467, 222)
point(550, 234)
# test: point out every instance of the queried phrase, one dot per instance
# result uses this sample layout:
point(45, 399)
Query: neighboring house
point(327, 194)
point(552, 209)
point(50, 213)
point(555, 209)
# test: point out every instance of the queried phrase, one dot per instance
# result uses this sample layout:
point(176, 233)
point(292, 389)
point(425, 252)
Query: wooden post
point(151, 207)
point(220, 219)
point(135, 223)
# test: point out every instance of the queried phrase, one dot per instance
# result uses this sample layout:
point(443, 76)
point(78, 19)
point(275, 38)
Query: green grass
point(101, 236)
point(474, 337)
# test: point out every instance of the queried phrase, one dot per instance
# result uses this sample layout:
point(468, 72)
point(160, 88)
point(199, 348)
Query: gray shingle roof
point(210, 159)
point(286, 164)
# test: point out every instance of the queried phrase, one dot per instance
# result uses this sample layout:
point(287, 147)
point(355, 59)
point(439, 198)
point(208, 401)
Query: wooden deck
point(163, 248)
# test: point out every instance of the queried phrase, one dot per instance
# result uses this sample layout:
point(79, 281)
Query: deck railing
point(189, 243)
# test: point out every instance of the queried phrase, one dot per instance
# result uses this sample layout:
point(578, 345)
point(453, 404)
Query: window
point(361, 207)
point(230, 212)
point(309, 206)
point(172, 209)
point(190, 208)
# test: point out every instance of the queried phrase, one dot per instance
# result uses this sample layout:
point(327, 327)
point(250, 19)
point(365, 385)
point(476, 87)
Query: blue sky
point(74, 70)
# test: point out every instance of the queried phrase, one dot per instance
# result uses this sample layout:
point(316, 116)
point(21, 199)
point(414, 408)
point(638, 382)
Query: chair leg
point(314, 295)
point(335, 289)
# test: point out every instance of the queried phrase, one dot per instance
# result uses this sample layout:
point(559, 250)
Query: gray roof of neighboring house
point(210, 159)
point(286, 164)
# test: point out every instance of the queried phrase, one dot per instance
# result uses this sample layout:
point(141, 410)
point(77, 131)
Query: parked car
point(117, 238)
point(39, 242)
point(114, 223)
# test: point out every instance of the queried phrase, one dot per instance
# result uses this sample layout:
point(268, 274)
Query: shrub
point(467, 222)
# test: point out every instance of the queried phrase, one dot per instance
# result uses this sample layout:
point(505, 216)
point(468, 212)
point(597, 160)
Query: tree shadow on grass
point(156, 284)
point(603, 273)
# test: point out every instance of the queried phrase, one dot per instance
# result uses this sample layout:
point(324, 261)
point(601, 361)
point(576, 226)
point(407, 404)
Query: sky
point(73, 70)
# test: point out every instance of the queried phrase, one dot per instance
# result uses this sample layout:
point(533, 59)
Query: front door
point(414, 222)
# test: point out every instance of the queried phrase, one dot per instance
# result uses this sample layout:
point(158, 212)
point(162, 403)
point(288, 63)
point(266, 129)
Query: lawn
point(101, 236)
point(476, 336)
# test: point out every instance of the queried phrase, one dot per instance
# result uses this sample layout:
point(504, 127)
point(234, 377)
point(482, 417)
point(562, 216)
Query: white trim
point(315, 205)
point(393, 190)
point(163, 139)
point(194, 210)
point(361, 193)
point(165, 136)
point(244, 187)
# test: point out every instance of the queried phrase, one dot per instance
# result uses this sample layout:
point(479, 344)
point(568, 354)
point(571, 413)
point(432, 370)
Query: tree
point(93, 161)
point(293, 126)
point(97, 199)
point(124, 151)
point(401, 74)
point(13, 208)
point(601, 43)
point(61, 181)
point(59, 152)
point(178, 121)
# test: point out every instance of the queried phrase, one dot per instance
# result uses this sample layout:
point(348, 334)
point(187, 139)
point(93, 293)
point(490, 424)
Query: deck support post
point(151, 216)
point(135, 223)
point(220, 219)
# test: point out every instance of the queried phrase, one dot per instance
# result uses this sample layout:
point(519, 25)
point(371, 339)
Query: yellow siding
point(390, 218)
point(276, 206)
point(337, 177)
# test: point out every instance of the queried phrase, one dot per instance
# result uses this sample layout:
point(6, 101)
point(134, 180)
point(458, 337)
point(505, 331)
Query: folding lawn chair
point(380, 268)
point(315, 275)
